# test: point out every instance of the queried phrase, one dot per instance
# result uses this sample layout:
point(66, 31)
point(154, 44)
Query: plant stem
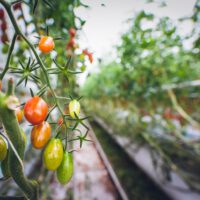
point(9, 57)
point(19, 32)
point(13, 132)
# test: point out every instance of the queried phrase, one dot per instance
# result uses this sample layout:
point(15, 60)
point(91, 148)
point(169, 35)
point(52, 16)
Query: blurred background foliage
point(150, 94)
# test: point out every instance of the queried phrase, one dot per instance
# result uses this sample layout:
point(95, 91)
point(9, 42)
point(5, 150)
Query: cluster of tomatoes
point(54, 155)
point(36, 112)
point(88, 54)
point(71, 44)
point(4, 35)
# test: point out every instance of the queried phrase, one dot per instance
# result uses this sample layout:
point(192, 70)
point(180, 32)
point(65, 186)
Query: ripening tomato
point(71, 44)
point(60, 121)
point(35, 110)
point(85, 52)
point(1, 13)
point(46, 44)
point(74, 107)
point(20, 114)
point(3, 149)
point(65, 170)
point(0, 85)
point(90, 57)
point(72, 32)
point(40, 135)
point(53, 154)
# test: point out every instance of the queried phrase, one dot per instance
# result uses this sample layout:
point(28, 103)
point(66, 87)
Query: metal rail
point(108, 165)
point(177, 189)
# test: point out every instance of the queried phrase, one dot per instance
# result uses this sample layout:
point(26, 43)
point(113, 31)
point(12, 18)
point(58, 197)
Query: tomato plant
point(37, 71)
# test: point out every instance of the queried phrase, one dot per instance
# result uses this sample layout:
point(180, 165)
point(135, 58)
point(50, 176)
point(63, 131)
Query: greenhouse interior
point(99, 100)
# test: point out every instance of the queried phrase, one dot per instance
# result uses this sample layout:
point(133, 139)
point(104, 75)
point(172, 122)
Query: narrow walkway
point(91, 178)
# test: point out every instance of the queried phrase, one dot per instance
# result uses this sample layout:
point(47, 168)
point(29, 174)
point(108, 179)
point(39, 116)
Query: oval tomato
point(74, 107)
point(20, 114)
point(40, 135)
point(35, 110)
point(66, 169)
point(46, 44)
point(60, 121)
point(90, 57)
point(71, 43)
point(53, 154)
point(3, 149)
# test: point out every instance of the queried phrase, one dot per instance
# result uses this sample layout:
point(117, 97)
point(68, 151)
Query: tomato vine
point(37, 110)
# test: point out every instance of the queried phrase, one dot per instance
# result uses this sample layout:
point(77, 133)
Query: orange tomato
point(90, 57)
point(40, 135)
point(20, 114)
point(46, 44)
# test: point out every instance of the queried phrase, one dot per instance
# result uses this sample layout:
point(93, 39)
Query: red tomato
point(71, 43)
point(35, 110)
point(1, 13)
point(46, 44)
point(85, 52)
point(72, 32)
point(20, 114)
point(40, 135)
point(60, 121)
point(0, 85)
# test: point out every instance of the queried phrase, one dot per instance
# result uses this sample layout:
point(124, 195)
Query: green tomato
point(53, 154)
point(83, 68)
point(3, 149)
point(74, 107)
point(66, 169)
point(5, 49)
